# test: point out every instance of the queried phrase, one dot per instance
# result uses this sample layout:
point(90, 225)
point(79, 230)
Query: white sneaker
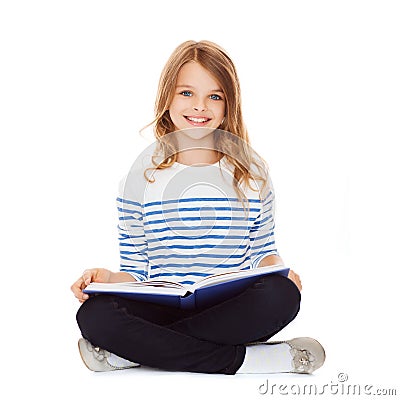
point(100, 360)
point(308, 354)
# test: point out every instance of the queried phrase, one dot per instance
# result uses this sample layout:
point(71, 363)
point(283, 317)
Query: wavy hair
point(217, 62)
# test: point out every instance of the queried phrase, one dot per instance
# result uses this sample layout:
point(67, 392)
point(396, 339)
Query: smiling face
point(198, 100)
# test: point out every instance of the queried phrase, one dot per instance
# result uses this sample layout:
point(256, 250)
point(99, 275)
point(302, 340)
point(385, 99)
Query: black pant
point(209, 341)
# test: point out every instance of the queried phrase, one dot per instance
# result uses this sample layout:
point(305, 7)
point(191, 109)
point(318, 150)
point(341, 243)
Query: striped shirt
point(189, 224)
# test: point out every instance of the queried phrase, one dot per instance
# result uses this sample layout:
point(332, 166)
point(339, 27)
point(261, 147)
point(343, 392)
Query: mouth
point(197, 121)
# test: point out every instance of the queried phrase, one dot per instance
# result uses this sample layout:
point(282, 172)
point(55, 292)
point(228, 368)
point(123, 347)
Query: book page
point(150, 287)
point(155, 283)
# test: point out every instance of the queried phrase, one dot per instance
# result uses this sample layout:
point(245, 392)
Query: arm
point(121, 277)
point(270, 260)
point(132, 238)
point(264, 229)
point(262, 237)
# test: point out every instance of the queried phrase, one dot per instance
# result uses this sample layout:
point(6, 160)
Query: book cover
point(204, 293)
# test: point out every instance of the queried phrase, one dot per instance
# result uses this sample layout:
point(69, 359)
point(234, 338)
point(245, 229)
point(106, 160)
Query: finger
point(82, 300)
point(82, 297)
point(84, 283)
point(77, 288)
point(87, 277)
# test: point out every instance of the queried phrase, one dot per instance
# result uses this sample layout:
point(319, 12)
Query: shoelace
point(98, 353)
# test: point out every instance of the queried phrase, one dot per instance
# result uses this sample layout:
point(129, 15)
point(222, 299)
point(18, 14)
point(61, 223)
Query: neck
point(198, 156)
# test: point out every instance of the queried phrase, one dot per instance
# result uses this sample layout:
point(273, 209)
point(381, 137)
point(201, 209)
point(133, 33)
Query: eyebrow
point(192, 87)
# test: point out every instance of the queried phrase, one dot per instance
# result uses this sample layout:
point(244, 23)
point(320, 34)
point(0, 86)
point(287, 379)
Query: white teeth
point(197, 119)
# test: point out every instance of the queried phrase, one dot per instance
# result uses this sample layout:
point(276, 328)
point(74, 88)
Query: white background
point(320, 83)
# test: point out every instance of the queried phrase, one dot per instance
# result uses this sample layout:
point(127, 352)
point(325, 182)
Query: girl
point(206, 208)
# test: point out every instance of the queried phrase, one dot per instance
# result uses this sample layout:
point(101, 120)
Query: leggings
point(210, 340)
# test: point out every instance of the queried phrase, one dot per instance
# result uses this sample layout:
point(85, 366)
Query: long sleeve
point(132, 240)
point(188, 223)
point(262, 236)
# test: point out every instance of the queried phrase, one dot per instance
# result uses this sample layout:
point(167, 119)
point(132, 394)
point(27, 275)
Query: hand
point(89, 275)
point(295, 278)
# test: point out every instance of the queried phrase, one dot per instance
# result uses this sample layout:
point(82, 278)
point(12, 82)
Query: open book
point(204, 293)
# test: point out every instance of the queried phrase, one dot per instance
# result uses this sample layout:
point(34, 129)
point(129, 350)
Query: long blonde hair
point(215, 60)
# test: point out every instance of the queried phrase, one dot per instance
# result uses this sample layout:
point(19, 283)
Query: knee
point(94, 317)
point(280, 293)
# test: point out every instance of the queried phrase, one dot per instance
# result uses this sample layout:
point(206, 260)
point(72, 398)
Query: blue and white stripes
point(132, 240)
point(189, 224)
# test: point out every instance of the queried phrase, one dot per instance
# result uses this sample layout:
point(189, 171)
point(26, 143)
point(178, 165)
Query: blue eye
point(186, 93)
point(215, 97)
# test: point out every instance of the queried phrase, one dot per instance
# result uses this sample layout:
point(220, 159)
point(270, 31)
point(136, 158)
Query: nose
point(199, 106)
